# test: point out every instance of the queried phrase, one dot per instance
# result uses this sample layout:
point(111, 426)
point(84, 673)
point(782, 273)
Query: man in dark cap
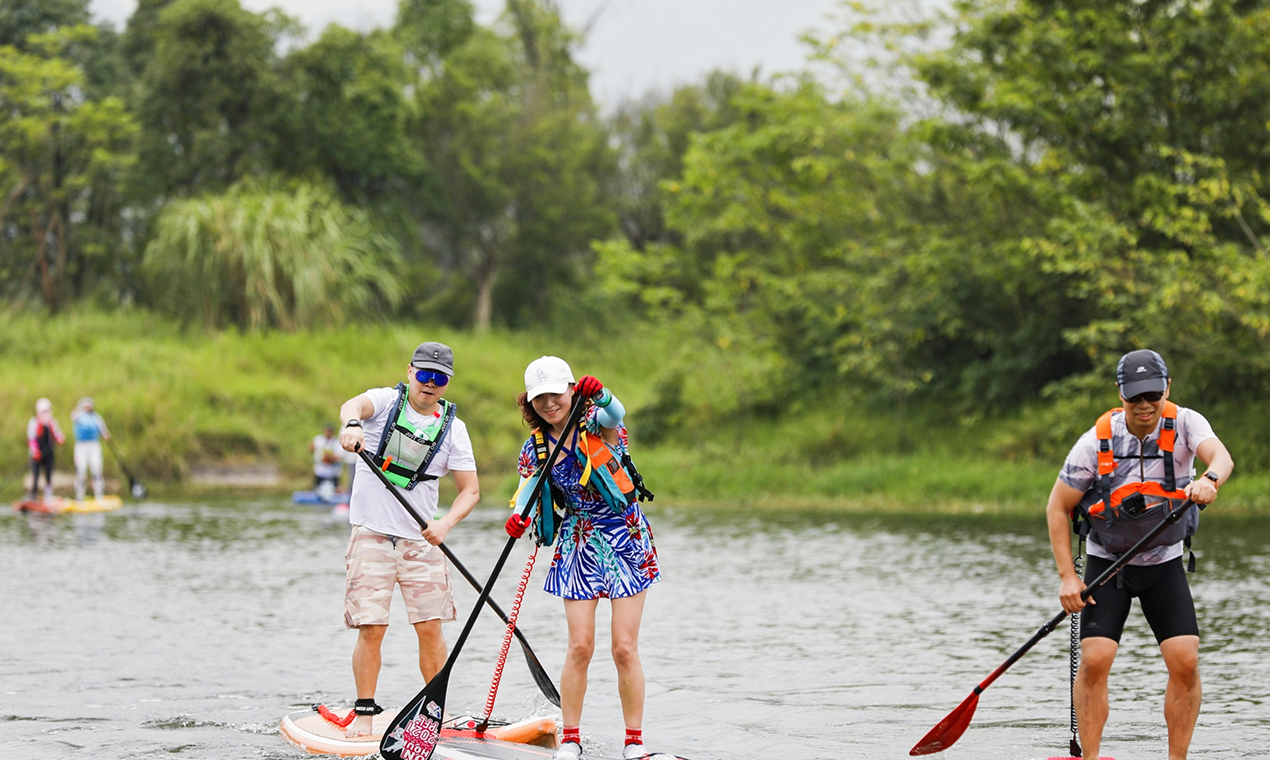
point(1146, 467)
point(414, 438)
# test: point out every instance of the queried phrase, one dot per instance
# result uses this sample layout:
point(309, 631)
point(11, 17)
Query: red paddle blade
point(949, 730)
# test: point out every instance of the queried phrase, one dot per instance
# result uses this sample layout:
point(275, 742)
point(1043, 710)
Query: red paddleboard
point(40, 505)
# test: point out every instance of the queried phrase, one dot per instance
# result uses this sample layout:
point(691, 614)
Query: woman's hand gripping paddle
point(536, 668)
point(414, 733)
point(950, 729)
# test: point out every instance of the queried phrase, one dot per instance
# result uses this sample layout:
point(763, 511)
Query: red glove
point(36, 454)
point(516, 525)
point(588, 386)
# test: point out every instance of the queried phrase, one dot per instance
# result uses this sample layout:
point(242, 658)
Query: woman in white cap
point(605, 548)
point(42, 432)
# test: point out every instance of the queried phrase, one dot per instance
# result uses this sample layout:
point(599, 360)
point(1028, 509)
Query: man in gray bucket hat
point(414, 437)
point(1120, 478)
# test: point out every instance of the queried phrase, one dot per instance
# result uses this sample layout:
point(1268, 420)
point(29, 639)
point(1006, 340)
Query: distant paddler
point(605, 546)
point(1122, 475)
point(42, 435)
point(90, 430)
point(415, 437)
point(328, 461)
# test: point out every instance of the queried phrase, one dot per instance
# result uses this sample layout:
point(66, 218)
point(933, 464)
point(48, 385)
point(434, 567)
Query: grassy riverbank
point(178, 400)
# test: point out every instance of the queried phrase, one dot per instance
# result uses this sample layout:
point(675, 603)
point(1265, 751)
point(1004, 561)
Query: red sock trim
point(573, 734)
point(634, 736)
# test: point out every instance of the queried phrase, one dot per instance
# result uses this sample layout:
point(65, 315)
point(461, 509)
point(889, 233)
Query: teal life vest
point(405, 451)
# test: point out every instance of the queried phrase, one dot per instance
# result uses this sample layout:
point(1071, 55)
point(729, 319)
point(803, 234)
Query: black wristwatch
point(1211, 477)
point(353, 423)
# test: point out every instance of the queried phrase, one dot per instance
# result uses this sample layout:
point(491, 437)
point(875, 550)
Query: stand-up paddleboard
point(313, 497)
point(312, 732)
point(50, 507)
point(1077, 758)
point(463, 748)
point(104, 504)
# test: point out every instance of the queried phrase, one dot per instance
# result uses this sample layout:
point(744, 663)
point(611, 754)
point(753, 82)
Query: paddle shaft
point(119, 460)
point(548, 688)
point(574, 416)
point(434, 691)
point(1045, 630)
point(952, 726)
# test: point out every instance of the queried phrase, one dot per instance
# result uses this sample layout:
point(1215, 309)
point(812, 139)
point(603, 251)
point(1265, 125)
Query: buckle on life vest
point(387, 461)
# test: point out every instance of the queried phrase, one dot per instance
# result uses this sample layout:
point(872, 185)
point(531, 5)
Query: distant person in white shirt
point(328, 461)
point(414, 437)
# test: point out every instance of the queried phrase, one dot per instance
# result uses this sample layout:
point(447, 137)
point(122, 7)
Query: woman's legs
point(580, 615)
point(627, 613)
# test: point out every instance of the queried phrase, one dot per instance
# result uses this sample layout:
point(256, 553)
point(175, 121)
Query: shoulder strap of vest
point(392, 419)
point(540, 446)
point(1168, 439)
point(1106, 459)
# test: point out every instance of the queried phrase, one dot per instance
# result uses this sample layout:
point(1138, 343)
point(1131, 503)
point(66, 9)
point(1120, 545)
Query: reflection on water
point(192, 628)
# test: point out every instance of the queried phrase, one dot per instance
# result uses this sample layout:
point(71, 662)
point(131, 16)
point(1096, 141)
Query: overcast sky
point(634, 46)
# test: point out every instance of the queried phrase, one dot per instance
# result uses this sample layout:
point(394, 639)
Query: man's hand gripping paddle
point(950, 729)
point(535, 665)
point(414, 733)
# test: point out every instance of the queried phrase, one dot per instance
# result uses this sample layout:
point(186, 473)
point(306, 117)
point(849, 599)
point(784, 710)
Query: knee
point(625, 654)
point(371, 634)
point(1095, 667)
point(1183, 666)
point(580, 650)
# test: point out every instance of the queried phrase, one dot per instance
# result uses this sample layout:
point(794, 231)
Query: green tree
point(19, 19)
point(62, 159)
point(352, 114)
point(212, 103)
point(517, 159)
point(262, 258)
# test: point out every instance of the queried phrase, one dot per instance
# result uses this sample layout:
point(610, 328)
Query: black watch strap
point(353, 423)
point(1211, 476)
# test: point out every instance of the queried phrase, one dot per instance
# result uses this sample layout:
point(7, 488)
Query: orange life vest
point(1167, 489)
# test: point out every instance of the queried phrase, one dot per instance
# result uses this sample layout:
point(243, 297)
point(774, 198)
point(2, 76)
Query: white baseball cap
point(547, 374)
point(43, 405)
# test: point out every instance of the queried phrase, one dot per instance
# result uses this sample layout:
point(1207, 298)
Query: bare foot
point(361, 727)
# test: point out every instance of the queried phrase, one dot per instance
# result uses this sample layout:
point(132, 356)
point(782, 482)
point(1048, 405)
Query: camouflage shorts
point(375, 563)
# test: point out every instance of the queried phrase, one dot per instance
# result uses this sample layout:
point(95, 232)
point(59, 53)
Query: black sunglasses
point(1150, 397)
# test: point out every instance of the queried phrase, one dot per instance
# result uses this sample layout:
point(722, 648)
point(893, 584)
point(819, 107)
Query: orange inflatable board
point(51, 507)
point(317, 735)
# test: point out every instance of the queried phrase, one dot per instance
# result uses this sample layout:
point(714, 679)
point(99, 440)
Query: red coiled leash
point(507, 641)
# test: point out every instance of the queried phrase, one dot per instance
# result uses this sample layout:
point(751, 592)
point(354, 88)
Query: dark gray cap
point(434, 356)
point(1141, 372)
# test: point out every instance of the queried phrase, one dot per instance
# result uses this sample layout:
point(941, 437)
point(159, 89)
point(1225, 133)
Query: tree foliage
point(62, 162)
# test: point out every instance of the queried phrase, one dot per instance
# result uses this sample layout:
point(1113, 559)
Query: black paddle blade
point(415, 732)
point(541, 678)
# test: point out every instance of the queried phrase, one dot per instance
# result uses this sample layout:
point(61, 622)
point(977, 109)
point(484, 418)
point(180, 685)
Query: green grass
point(178, 399)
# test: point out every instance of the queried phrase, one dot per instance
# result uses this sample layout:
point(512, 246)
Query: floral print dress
point(600, 553)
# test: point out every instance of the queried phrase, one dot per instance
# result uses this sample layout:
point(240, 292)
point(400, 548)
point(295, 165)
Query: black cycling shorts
point(1161, 589)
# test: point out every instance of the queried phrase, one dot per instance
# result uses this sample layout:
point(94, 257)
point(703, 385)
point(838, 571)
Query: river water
point(189, 630)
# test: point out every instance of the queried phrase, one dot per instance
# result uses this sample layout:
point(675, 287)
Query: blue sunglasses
point(426, 376)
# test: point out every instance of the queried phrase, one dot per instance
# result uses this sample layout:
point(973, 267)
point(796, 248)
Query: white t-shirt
point(323, 448)
point(371, 505)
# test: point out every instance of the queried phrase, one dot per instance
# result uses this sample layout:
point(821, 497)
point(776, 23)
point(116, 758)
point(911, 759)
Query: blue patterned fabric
point(600, 554)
